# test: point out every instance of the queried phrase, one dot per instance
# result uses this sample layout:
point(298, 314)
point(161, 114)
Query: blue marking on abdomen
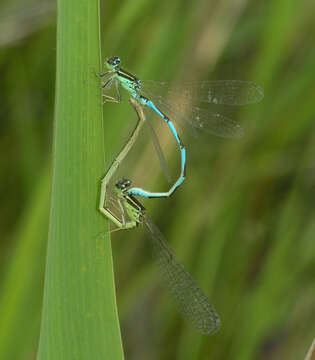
point(183, 159)
point(172, 127)
point(147, 194)
point(152, 106)
point(139, 192)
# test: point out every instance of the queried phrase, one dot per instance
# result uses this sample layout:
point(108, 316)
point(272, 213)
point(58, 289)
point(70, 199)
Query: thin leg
point(98, 75)
point(120, 223)
point(104, 73)
point(107, 86)
point(122, 211)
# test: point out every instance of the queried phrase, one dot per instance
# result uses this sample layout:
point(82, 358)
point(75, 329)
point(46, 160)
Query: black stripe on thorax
point(133, 201)
point(126, 75)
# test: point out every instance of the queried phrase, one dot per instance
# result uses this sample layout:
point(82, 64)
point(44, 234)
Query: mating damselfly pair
point(168, 104)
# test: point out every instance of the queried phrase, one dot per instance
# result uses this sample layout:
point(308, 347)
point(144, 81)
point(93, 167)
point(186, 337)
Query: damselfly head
point(113, 62)
point(123, 184)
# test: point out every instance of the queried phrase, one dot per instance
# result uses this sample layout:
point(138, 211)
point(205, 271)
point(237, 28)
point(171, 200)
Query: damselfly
point(193, 304)
point(172, 102)
point(191, 301)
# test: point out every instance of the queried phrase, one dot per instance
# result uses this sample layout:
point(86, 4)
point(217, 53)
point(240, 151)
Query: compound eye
point(114, 61)
point(123, 184)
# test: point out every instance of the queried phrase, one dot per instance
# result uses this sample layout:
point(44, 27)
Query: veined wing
point(111, 202)
point(224, 92)
point(215, 124)
point(198, 118)
point(193, 304)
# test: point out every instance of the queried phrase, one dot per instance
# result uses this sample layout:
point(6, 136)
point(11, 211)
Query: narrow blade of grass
point(79, 312)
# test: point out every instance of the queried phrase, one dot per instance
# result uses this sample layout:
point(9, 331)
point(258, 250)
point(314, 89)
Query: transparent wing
point(198, 118)
point(159, 151)
point(193, 304)
point(215, 124)
point(112, 203)
point(225, 92)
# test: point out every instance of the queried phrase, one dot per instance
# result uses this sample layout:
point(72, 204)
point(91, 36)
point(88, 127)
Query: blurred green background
point(243, 221)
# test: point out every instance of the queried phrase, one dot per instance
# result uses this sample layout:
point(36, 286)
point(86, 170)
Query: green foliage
point(79, 318)
point(242, 223)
